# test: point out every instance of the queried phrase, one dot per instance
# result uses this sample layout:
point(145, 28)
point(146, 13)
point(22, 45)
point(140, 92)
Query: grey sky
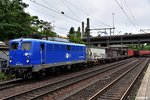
point(99, 12)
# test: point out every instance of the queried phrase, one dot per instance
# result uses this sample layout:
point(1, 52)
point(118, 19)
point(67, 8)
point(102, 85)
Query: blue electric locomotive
point(28, 56)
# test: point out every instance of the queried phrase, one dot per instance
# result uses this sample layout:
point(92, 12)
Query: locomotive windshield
point(14, 46)
point(26, 46)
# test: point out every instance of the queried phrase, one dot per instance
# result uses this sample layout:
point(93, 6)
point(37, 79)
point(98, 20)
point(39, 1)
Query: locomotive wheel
point(27, 75)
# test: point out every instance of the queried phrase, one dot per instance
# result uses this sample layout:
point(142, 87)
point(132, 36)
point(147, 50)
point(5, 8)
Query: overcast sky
point(99, 11)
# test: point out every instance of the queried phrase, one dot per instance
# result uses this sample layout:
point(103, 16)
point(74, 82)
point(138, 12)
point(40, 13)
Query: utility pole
point(113, 14)
point(88, 30)
point(107, 40)
point(82, 30)
point(110, 33)
point(139, 43)
point(88, 38)
point(121, 46)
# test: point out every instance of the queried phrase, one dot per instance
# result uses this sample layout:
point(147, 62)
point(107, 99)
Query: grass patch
point(5, 77)
point(132, 98)
point(2, 76)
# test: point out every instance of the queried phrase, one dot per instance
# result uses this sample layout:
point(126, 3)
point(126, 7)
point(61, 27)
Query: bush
point(2, 76)
point(6, 77)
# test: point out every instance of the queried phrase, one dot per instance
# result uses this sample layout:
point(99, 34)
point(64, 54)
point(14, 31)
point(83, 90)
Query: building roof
point(2, 43)
point(118, 46)
point(46, 41)
point(3, 46)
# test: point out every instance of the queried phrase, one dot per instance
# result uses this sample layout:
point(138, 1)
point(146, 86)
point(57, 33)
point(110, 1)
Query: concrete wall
point(3, 54)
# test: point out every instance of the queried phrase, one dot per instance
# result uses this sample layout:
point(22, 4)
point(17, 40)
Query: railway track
point(89, 91)
point(10, 83)
point(15, 82)
point(120, 87)
point(41, 91)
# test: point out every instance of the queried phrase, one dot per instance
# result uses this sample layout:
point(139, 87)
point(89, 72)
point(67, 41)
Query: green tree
point(78, 33)
point(46, 29)
point(35, 24)
point(146, 47)
point(75, 36)
point(14, 21)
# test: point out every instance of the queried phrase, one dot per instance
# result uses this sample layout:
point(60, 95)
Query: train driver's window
point(26, 46)
point(14, 46)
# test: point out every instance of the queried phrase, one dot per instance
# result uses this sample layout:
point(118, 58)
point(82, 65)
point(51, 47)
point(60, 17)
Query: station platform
point(144, 90)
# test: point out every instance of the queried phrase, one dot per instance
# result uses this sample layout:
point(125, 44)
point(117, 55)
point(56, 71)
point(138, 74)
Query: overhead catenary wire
point(49, 4)
point(131, 13)
point(51, 16)
point(69, 9)
point(77, 7)
point(54, 8)
point(95, 20)
point(126, 15)
point(61, 28)
point(58, 12)
point(45, 13)
point(86, 13)
point(91, 18)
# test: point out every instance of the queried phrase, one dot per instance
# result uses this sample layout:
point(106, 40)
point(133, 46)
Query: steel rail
point(133, 82)
point(94, 97)
point(9, 84)
point(86, 75)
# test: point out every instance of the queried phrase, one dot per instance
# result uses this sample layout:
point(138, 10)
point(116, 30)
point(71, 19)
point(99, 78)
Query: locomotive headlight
point(27, 60)
point(10, 61)
point(27, 57)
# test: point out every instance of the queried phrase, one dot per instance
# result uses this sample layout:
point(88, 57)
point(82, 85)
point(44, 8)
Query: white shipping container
point(97, 53)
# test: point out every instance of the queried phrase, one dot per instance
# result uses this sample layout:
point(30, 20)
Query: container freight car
point(144, 52)
point(130, 52)
point(133, 53)
point(136, 53)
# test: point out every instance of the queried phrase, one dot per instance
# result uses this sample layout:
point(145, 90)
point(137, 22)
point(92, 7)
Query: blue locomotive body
point(37, 54)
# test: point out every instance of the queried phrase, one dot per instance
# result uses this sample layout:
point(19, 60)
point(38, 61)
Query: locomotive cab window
point(14, 46)
point(26, 46)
